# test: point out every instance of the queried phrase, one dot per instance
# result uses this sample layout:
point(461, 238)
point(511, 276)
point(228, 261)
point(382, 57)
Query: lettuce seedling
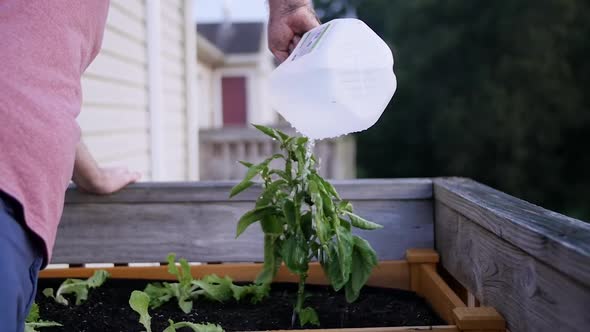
point(140, 302)
point(160, 293)
point(34, 321)
point(303, 218)
point(78, 287)
point(195, 327)
point(188, 289)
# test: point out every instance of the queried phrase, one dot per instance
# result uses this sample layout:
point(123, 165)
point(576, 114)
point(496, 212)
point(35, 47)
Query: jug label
point(310, 41)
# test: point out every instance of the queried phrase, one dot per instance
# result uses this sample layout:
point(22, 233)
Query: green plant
point(140, 302)
point(195, 327)
point(34, 321)
point(303, 218)
point(78, 287)
point(188, 289)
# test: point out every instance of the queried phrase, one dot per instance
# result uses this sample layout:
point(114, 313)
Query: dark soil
point(107, 309)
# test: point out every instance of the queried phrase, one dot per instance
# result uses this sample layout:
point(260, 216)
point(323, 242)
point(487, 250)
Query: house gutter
point(208, 53)
point(155, 88)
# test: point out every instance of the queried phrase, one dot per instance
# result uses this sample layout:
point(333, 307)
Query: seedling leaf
point(308, 315)
point(78, 287)
point(215, 288)
point(139, 302)
point(195, 327)
point(33, 320)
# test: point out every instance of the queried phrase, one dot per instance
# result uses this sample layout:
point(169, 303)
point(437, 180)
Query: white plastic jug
point(338, 80)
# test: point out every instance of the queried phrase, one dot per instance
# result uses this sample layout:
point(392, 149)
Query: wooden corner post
point(417, 258)
point(426, 282)
point(479, 319)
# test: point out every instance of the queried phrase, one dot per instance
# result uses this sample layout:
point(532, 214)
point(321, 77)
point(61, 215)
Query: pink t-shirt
point(45, 46)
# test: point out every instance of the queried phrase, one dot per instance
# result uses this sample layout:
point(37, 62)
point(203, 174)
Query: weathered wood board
point(145, 222)
point(557, 240)
point(529, 294)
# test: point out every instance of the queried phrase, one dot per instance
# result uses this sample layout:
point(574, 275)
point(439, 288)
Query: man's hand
point(288, 21)
point(109, 180)
point(96, 180)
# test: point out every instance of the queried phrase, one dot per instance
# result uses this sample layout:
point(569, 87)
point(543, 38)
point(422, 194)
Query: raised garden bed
point(530, 264)
point(401, 296)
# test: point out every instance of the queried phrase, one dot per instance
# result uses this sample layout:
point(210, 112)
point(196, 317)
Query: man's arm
point(288, 21)
point(89, 177)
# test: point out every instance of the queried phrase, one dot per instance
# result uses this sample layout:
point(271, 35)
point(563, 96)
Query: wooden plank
point(438, 293)
point(557, 240)
point(215, 191)
point(204, 231)
point(388, 274)
point(446, 328)
point(529, 294)
point(481, 319)
point(422, 255)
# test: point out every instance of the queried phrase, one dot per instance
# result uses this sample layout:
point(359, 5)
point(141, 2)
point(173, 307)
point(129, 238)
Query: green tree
point(496, 90)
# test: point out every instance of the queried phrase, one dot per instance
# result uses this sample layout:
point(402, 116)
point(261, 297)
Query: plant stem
point(300, 298)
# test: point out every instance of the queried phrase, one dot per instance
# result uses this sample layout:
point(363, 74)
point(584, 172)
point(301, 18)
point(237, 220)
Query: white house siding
point(114, 117)
point(174, 106)
point(207, 118)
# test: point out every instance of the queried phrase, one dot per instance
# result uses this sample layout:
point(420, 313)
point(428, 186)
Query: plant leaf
point(251, 217)
point(270, 132)
point(193, 326)
point(332, 268)
point(364, 259)
point(294, 252)
point(158, 293)
point(32, 327)
point(245, 184)
point(271, 225)
point(272, 261)
point(139, 302)
point(245, 163)
point(289, 211)
point(97, 279)
point(361, 223)
point(78, 287)
point(328, 186)
point(216, 288)
point(308, 315)
point(345, 206)
point(270, 193)
point(187, 277)
point(33, 315)
point(48, 292)
point(172, 268)
point(317, 213)
point(345, 244)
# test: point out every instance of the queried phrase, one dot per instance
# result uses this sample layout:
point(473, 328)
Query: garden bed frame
point(531, 264)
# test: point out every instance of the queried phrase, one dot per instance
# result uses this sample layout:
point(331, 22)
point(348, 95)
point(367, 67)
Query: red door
point(233, 94)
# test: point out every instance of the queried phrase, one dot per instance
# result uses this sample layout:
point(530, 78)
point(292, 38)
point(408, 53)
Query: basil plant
point(304, 219)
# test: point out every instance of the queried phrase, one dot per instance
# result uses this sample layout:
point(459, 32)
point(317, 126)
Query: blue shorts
point(20, 261)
